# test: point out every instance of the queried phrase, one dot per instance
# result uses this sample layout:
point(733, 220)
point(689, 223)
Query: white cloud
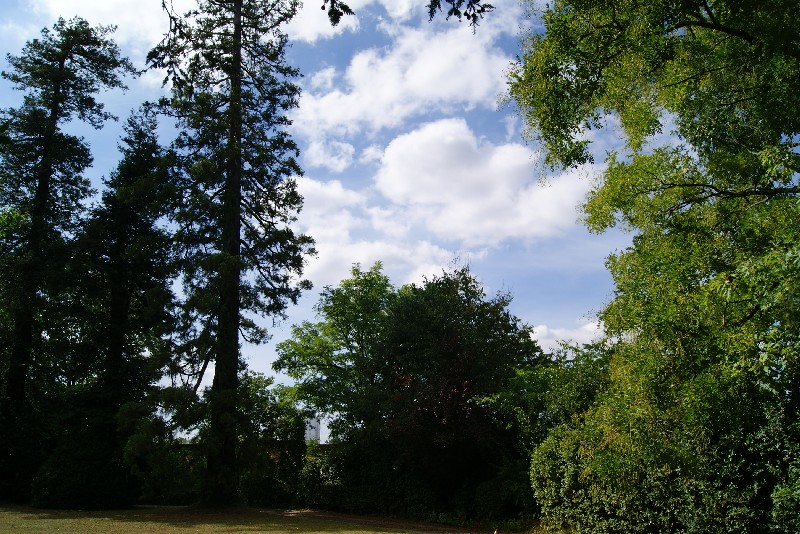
point(329, 209)
point(422, 71)
point(348, 230)
point(462, 188)
point(140, 25)
point(403, 262)
point(402, 9)
point(513, 125)
point(311, 23)
point(323, 80)
point(333, 155)
point(370, 154)
point(385, 221)
point(549, 337)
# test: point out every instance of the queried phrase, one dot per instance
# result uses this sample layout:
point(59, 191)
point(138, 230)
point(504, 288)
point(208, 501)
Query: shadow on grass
point(178, 519)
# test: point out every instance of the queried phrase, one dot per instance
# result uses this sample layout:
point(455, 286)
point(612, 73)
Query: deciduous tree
point(402, 372)
point(704, 390)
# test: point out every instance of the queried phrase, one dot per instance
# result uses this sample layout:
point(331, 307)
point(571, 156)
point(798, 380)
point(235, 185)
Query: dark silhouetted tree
point(231, 90)
point(41, 182)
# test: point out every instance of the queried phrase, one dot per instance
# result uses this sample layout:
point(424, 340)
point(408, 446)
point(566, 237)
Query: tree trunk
point(221, 473)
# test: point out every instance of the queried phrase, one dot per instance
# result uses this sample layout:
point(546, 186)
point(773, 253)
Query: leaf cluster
point(471, 10)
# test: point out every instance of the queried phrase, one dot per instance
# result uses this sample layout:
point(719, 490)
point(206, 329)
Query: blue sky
point(408, 157)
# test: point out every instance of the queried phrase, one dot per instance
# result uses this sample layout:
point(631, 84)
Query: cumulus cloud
point(330, 209)
point(370, 154)
point(349, 229)
point(403, 262)
point(333, 155)
point(322, 80)
point(140, 25)
point(311, 24)
point(549, 337)
point(422, 71)
point(465, 189)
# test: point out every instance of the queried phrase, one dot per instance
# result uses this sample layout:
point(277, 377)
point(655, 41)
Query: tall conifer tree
point(42, 185)
point(231, 89)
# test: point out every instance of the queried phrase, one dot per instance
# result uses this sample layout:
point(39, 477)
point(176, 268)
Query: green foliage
point(42, 196)
point(80, 474)
point(337, 362)
point(168, 470)
point(786, 496)
point(231, 93)
point(696, 431)
point(320, 479)
point(710, 67)
point(627, 465)
point(539, 398)
point(127, 269)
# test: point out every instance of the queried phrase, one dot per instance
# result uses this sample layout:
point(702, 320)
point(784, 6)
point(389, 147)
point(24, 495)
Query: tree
point(402, 373)
point(449, 346)
point(697, 430)
point(130, 266)
point(40, 179)
point(558, 390)
point(123, 317)
point(338, 361)
point(231, 89)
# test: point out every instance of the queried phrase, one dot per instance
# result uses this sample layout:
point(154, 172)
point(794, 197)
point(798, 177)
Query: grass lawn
point(180, 520)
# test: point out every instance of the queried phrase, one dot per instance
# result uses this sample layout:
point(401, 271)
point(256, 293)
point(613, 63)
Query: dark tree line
point(91, 322)
point(405, 374)
point(113, 311)
point(42, 196)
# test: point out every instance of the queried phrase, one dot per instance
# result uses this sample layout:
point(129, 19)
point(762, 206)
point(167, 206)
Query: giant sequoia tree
point(231, 89)
point(698, 431)
point(42, 188)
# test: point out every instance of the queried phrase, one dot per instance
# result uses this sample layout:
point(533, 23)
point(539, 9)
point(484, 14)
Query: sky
point(411, 154)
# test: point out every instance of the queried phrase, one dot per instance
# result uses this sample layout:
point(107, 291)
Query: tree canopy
point(704, 376)
point(42, 194)
point(401, 372)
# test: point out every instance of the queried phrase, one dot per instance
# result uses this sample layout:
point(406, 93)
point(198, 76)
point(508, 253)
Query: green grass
point(182, 520)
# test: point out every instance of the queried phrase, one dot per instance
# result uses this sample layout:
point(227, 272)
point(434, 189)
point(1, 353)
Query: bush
point(84, 474)
point(262, 485)
point(168, 471)
point(320, 482)
point(622, 470)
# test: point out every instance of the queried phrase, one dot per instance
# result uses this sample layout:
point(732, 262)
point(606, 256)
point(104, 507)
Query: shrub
point(84, 474)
